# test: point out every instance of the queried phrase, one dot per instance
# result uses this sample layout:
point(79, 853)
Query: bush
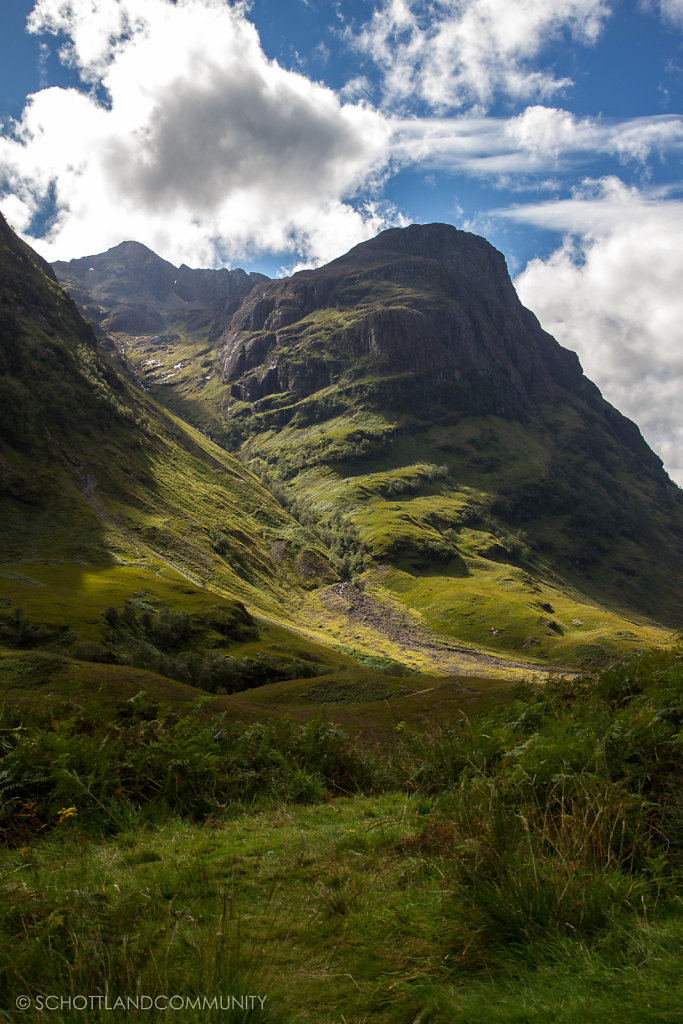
point(147, 757)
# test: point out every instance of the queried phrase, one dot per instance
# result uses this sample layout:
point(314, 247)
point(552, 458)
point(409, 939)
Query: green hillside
point(402, 396)
point(286, 739)
point(128, 537)
point(472, 488)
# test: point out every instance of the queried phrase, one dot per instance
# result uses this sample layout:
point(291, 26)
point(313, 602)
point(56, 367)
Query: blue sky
point(276, 134)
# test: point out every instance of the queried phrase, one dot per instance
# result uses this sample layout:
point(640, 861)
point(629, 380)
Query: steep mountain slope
point(472, 487)
point(493, 488)
point(109, 503)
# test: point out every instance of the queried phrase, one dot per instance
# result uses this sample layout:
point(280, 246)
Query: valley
point(504, 511)
point(340, 650)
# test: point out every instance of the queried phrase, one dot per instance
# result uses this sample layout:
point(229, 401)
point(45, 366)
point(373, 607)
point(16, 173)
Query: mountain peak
point(431, 241)
point(136, 286)
point(130, 249)
point(427, 302)
point(429, 249)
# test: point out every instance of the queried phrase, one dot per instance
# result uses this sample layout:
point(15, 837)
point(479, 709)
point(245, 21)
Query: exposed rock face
point(133, 287)
point(427, 300)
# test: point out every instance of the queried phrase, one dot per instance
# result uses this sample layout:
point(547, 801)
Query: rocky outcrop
point(428, 301)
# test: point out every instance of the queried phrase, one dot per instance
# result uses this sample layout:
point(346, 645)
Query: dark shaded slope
point(108, 501)
point(55, 387)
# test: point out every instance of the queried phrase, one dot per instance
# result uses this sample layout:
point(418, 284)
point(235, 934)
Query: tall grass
point(148, 761)
point(555, 823)
point(69, 930)
point(563, 809)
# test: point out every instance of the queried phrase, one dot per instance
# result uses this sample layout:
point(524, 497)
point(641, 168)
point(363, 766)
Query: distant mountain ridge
point(129, 286)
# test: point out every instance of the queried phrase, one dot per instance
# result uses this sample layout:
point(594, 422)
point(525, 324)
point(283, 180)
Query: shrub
point(147, 757)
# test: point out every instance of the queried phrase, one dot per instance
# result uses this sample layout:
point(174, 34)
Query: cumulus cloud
point(189, 139)
point(612, 293)
point(456, 53)
point(184, 134)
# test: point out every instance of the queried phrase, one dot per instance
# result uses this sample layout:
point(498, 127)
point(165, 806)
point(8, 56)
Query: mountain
point(129, 539)
point(164, 318)
point(130, 288)
point(470, 484)
point(423, 303)
point(492, 487)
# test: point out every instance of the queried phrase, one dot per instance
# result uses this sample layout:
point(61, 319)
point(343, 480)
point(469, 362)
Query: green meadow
point(520, 865)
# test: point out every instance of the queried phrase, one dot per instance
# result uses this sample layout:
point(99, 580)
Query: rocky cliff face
point(427, 301)
point(129, 288)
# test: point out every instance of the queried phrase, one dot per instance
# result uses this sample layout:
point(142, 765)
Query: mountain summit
point(427, 304)
point(425, 300)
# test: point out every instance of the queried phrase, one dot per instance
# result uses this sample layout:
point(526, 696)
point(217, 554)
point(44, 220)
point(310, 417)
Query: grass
point(327, 911)
point(423, 516)
point(521, 866)
point(500, 608)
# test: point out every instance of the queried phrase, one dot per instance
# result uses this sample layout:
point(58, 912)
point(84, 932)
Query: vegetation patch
point(529, 857)
point(347, 693)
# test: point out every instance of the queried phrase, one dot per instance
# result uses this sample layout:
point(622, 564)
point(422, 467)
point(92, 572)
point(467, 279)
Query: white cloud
point(670, 10)
point(546, 132)
point(190, 139)
point(539, 140)
point(453, 53)
point(612, 293)
point(16, 213)
point(356, 88)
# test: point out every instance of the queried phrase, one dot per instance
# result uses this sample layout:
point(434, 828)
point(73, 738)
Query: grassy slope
point(537, 539)
point(179, 368)
point(332, 913)
point(375, 468)
point(107, 497)
point(544, 537)
point(428, 515)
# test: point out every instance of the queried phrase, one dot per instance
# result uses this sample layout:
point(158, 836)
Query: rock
point(428, 301)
